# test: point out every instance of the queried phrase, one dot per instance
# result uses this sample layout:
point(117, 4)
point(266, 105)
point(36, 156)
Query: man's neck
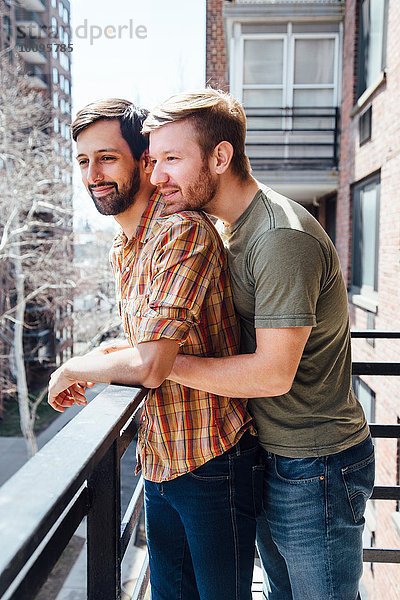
point(233, 197)
point(130, 218)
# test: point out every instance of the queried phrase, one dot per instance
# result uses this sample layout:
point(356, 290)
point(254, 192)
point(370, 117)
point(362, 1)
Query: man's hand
point(64, 391)
point(147, 364)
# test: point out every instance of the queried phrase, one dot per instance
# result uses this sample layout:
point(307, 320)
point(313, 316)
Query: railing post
point(104, 529)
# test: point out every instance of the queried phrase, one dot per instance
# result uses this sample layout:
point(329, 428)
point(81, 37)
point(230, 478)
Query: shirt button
point(127, 269)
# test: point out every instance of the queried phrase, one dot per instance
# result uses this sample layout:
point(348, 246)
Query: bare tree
point(36, 259)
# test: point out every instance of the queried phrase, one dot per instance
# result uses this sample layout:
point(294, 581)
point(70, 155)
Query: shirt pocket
point(131, 311)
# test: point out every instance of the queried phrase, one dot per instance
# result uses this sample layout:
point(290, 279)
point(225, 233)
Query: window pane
point(262, 98)
point(365, 236)
point(313, 98)
point(377, 9)
point(314, 61)
point(371, 38)
point(263, 61)
point(368, 216)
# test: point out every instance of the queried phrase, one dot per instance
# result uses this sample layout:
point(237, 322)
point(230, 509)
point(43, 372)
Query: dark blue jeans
point(201, 528)
point(309, 535)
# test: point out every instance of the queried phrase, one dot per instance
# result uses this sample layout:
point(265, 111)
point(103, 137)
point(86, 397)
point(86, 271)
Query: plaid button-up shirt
point(172, 282)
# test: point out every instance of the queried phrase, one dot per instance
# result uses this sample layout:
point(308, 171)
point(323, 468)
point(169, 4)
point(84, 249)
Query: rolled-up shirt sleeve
point(184, 262)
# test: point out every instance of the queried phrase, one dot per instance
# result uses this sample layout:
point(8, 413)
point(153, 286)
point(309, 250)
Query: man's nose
point(94, 174)
point(158, 175)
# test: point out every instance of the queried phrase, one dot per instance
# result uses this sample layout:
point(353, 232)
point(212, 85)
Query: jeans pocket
point(216, 469)
point(258, 485)
point(359, 483)
point(299, 471)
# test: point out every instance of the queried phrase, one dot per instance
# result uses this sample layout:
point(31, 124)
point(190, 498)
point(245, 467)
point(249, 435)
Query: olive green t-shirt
point(286, 273)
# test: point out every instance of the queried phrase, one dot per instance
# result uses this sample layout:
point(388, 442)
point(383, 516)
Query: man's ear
point(147, 166)
point(222, 157)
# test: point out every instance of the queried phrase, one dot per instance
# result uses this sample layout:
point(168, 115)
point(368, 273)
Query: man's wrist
point(177, 366)
point(69, 368)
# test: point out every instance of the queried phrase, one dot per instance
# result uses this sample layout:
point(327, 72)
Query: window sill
point(366, 96)
point(365, 302)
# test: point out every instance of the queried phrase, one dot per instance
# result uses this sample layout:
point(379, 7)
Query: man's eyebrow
point(102, 150)
point(162, 152)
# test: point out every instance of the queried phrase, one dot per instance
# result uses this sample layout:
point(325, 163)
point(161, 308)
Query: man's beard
point(120, 199)
point(198, 194)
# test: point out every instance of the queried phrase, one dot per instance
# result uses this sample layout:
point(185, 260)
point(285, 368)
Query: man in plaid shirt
point(197, 450)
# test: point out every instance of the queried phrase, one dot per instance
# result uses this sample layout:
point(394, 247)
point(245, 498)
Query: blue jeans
point(201, 528)
point(309, 535)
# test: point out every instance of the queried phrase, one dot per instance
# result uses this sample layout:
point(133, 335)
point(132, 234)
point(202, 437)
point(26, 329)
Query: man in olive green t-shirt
point(296, 357)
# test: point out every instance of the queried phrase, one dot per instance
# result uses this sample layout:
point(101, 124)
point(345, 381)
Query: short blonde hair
point(216, 115)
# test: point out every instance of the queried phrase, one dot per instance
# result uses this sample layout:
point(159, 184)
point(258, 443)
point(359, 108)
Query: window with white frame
point(288, 69)
point(365, 215)
point(371, 43)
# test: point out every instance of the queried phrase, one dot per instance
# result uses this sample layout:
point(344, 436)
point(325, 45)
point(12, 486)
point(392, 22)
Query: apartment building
point(320, 83)
point(39, 33)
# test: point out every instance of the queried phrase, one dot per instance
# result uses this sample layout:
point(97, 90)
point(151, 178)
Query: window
point(371, 43)
point(56, 125)
point(366, 236)
point(291, 69)
point(366, 397)
point(60, 9)
point(365, 126)
point(55, 100)
point(55, 75)
point(7, 26)
point(54, 28)
point(54, 3)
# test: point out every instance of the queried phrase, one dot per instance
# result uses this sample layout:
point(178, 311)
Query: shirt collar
point(152, 211)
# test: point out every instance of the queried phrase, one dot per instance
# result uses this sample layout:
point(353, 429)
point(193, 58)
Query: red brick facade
point(381, 153)
point(216, 59)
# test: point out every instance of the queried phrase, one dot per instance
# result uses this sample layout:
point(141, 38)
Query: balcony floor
point(257, 583)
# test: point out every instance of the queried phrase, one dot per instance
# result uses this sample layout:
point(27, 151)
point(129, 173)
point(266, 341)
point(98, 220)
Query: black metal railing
point(382, 555)
point(77, 475)
point(293, 137)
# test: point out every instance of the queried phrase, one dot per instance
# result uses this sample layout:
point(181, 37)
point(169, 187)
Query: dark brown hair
point(130, 117)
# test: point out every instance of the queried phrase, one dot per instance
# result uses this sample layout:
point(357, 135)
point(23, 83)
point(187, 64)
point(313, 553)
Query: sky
point(143, 51)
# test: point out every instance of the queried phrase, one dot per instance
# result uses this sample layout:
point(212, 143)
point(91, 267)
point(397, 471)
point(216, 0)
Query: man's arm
point(147, 364)
point(268, 372)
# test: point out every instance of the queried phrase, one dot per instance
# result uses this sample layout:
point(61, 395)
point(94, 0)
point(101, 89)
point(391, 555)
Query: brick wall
point(216, 58)
point(381, 152)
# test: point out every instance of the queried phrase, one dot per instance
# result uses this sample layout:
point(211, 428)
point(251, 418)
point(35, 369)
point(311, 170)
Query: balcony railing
point(293, 138)
point(77, 475)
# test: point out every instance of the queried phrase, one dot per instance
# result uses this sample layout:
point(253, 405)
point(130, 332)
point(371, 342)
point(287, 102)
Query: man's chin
point(171, 209)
